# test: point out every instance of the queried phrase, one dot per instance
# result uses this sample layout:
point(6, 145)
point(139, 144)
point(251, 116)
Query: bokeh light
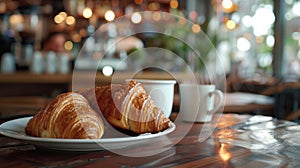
point(196, 28)
point(296, 9)
point(193, 15)
point(109, 15)
point(58, 19)
point(154, 6)
point(227, 4)
point(138, 2)
point(16, 19)
point(230, 24)
point(68, 45)
point(174, 4)
point(87, 13)
point(63, 14)
point(136, 18)
point(265, 60)
point(107, 70)
point(270, 41)
point(247, 20)
point(243, 44)
point(70, 20)
point(263, 20)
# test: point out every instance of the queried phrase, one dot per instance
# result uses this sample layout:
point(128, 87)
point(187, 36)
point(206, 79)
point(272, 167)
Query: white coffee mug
point(198, 103)
point(161, 92)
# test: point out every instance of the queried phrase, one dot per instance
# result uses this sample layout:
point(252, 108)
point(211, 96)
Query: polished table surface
point(236, 141)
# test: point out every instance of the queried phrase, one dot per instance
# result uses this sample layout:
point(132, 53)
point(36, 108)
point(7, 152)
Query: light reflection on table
point(232, 144)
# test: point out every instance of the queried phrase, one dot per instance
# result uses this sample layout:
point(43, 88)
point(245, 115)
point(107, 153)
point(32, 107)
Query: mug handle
point(220, 101)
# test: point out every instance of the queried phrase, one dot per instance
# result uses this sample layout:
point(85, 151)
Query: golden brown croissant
point(69, 115)
point(127, 106)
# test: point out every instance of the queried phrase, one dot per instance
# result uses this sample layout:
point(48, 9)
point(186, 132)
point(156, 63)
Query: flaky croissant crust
point(69, 115)
point(127, 106)
point(72, 115)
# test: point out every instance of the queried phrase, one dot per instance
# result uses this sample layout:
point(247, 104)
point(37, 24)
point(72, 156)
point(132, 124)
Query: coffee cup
point(161, 92)
point(198, 103)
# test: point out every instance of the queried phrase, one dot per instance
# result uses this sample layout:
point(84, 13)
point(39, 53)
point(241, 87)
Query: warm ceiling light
point(63, 14)
point(174, 4)
point(138, 1)
point(16, 19)
point(87, 13)
point(153, 6)
point(68, 45)
point(70, 20)
point(109, 15)
point(227, 4)
point(230, 24)
point(107, 70)
point(136, 17)
point(196, 28)
point(59, 19)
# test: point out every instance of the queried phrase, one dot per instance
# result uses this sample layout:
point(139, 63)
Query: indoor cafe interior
point(248, 49)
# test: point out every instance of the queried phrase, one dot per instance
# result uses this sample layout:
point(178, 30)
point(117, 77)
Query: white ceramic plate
point(16, 129)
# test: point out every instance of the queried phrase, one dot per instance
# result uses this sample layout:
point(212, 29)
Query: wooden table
point(230, 145)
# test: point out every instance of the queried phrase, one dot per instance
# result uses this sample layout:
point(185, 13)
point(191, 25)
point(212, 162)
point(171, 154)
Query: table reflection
point(230, 145)
point(224, 154)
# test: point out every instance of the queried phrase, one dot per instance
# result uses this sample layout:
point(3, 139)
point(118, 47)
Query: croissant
point(127, 106)
point(69, 115)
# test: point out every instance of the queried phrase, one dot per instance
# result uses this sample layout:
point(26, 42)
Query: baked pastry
point(69, 115)
point(127, 106)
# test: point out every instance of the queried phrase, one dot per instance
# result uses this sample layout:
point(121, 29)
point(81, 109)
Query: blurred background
point(258, 41)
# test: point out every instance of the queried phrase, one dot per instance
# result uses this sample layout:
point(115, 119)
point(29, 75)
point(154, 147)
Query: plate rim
point(6, 132)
